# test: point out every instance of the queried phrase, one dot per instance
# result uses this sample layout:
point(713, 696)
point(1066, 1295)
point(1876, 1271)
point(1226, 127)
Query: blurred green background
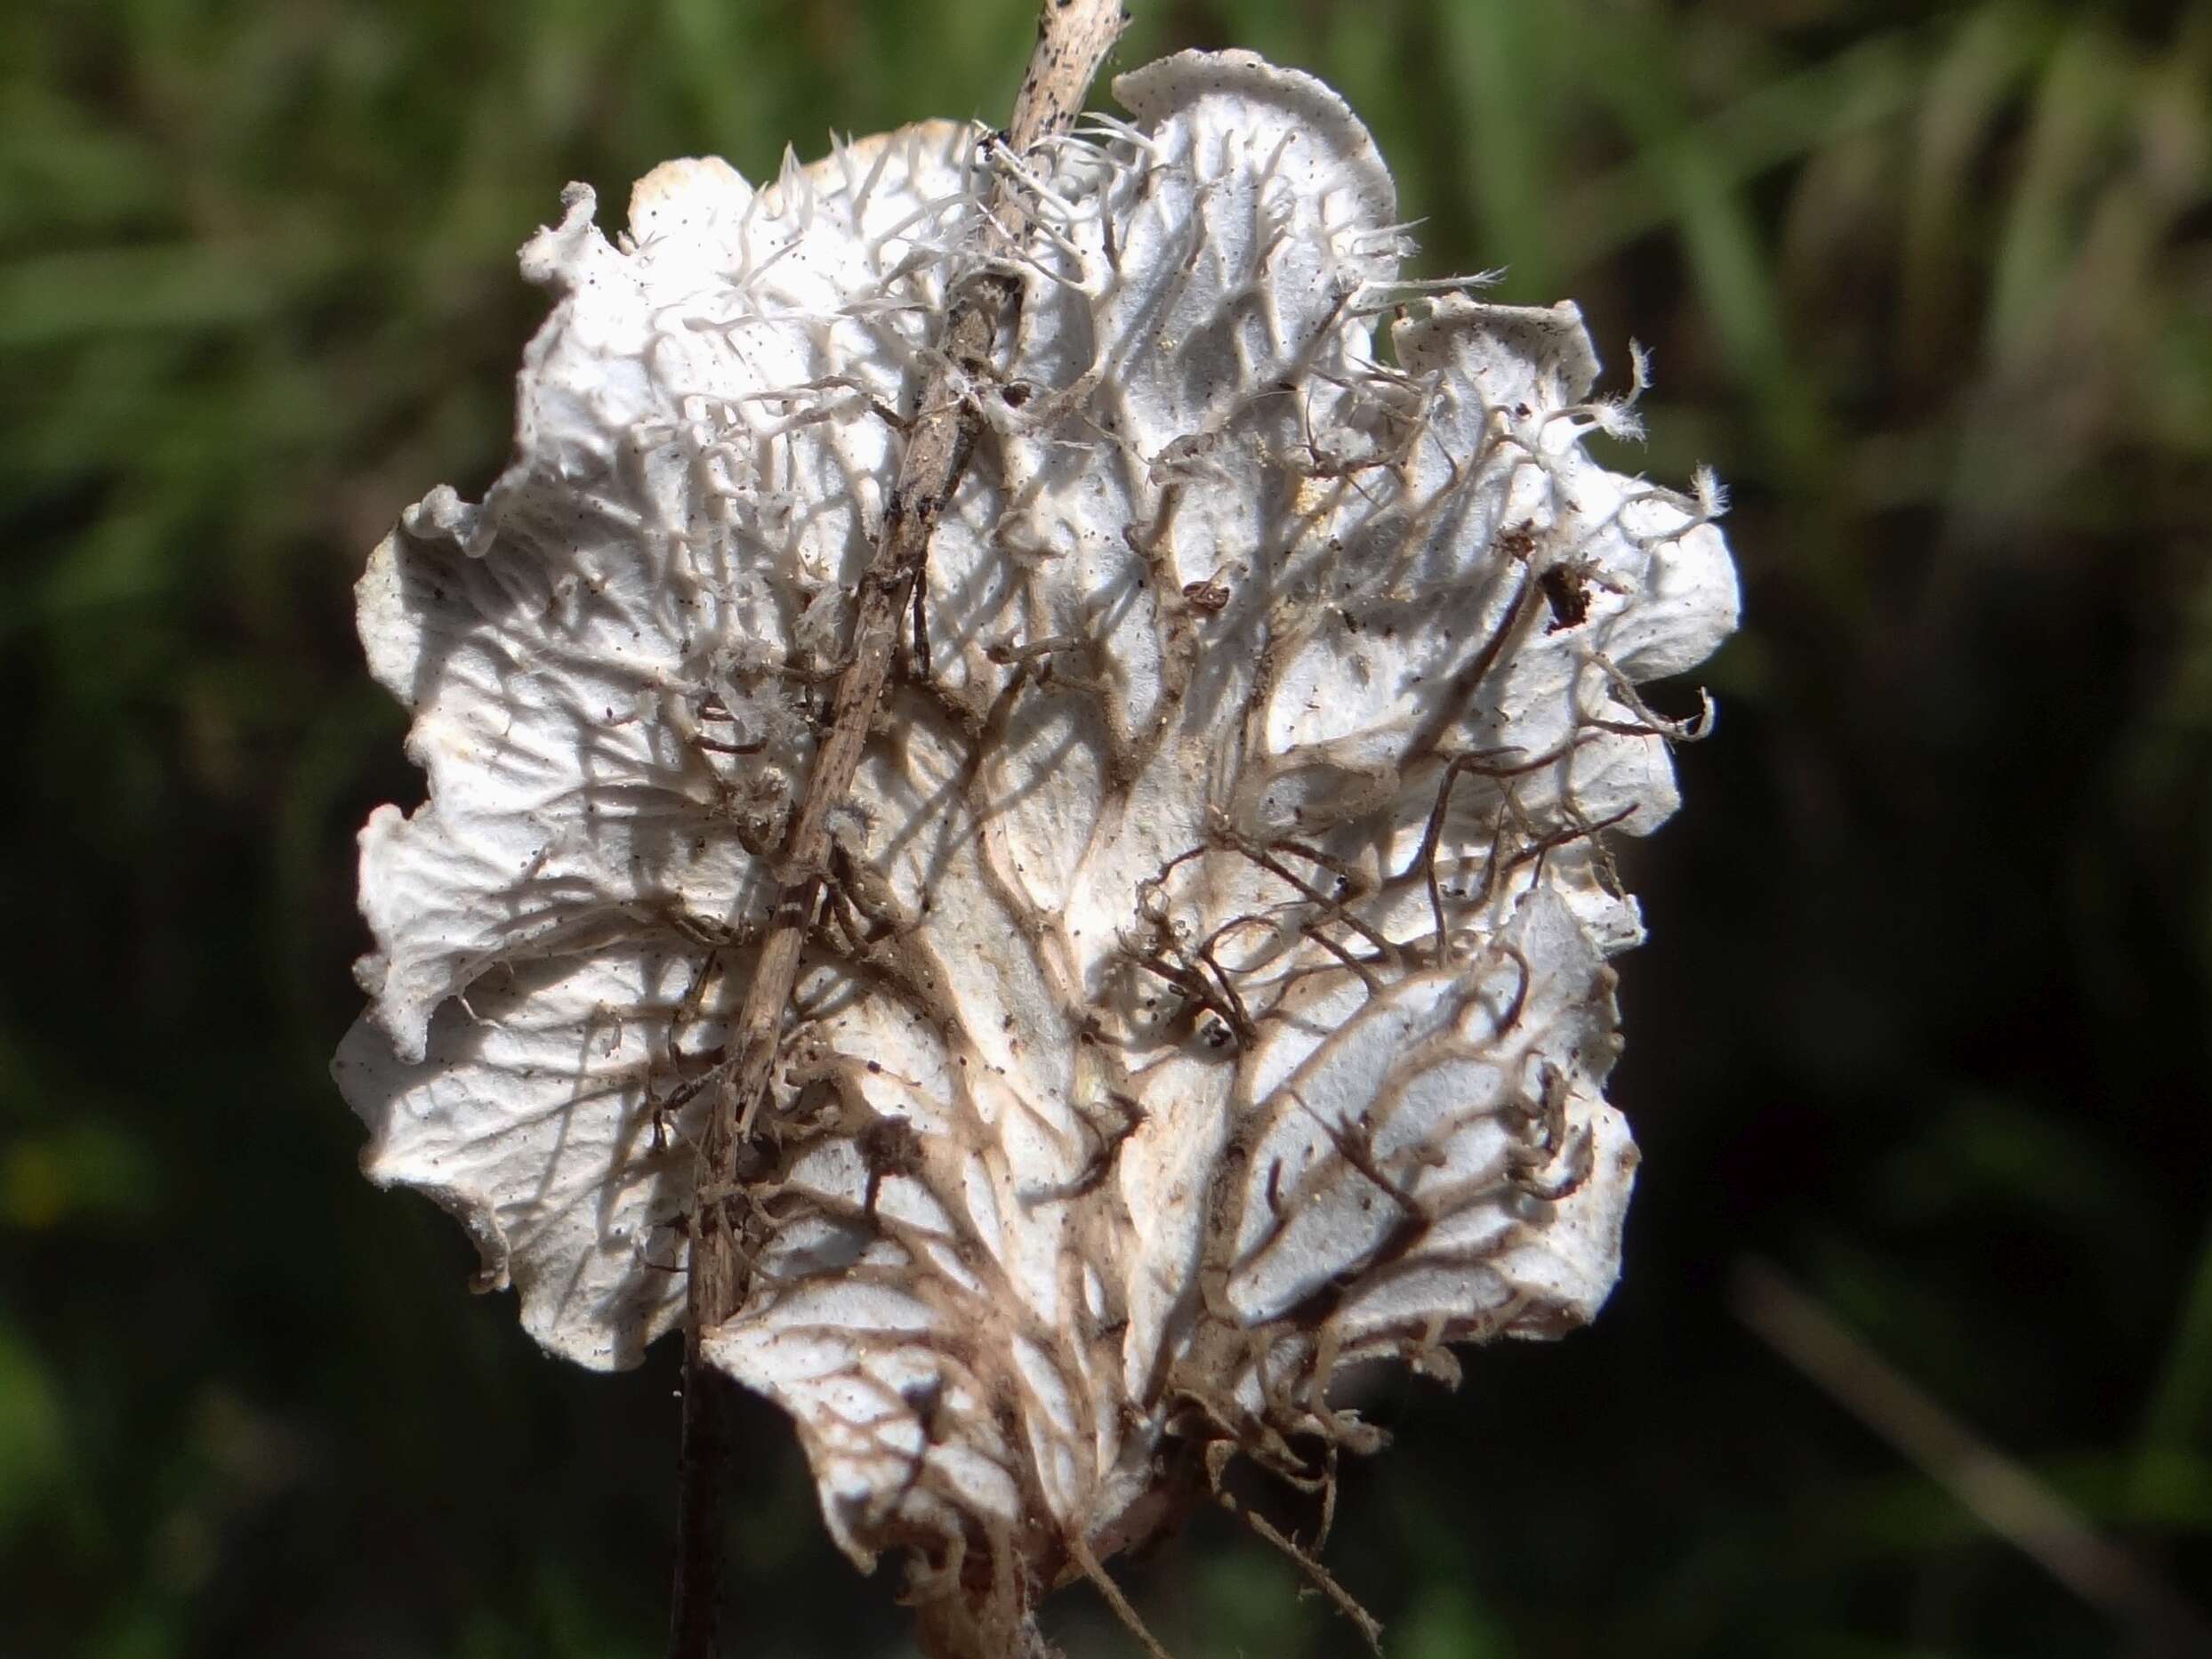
point(1925, 1022)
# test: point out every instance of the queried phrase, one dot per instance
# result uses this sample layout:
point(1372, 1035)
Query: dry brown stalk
point(1073, 37)
point(2000, 1492)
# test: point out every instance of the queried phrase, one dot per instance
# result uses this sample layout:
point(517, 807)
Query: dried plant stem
point(1072, 39)
point(2002, 1493)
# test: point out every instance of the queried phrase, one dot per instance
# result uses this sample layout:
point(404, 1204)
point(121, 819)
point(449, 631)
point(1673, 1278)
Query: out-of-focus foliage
point(1926, 1016)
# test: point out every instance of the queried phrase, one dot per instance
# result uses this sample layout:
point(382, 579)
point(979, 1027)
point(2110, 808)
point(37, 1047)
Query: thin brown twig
point(1073, 37)
point(1998, 1490)
point(1110, 1592)
point(1369, 1626)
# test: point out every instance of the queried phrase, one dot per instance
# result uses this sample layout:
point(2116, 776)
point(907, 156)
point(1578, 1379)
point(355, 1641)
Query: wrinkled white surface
point(1220, 596)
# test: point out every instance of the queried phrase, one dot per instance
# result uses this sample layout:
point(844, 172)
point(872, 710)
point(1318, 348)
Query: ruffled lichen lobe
point(1211, 986)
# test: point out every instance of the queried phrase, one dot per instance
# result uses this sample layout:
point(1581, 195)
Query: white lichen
point(1210, 989)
